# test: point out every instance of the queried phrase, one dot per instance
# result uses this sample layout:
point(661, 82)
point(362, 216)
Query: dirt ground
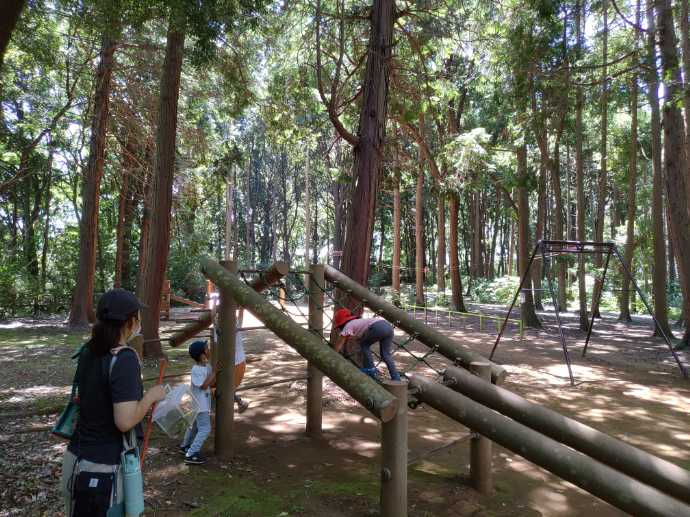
point(627, 385)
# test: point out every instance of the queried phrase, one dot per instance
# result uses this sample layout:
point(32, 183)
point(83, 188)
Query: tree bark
point(419, 236)
point(529, 317)
point(658, 233)
point(230, 229)
point(396, 238)
point(632, 186)
point(674, 150)
point(457, 301)
point(11, 9)
point(441, 258)
point(81, 310)
point(580, 174)
point(539, 235)
point(369, 149)
point(307, 213)
point(120, 231)
point(46, 223)
point(685, 38)
point(598, 258)
point(158, 244)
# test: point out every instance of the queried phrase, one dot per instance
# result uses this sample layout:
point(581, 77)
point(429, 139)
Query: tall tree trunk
point(249, 214)
point(632, 185)
point(441, 258)
point(494, 236)
point(145, 227)
point(120, 231)
point(46, 223)
point(370, 146)
point(161, 199)
point(539, 235)
point(529, 317)
point(580, 174)
point(457, 301)
point(11, 10)
point(598, 258)
point(307, 214)
point(684, 13)
point(674, 150)
point(396, 237)
point(81, 310)
point(230, 229)
point(559, 216)
point(658, 233)
point(419, 236)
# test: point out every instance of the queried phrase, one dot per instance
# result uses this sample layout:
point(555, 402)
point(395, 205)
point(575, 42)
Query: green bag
point(67, 421)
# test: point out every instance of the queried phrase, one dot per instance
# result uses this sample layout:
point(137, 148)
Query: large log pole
point(422, 332)
point(480, 446)
point(315, 378)
point(225, 380)
point(614, 487)
point(651, 470)
point(361, 387)
point(394, 456)
point(277, 271)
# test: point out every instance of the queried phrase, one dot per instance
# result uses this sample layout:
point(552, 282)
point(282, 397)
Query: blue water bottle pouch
point(132, 479)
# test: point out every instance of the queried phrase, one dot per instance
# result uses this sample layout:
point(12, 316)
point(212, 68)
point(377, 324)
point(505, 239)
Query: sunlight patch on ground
point(26, 394)
point(653, 394)
point(550, 502)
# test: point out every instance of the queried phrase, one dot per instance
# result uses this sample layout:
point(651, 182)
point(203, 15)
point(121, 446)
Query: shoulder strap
point(129, 439)
point(75, 380)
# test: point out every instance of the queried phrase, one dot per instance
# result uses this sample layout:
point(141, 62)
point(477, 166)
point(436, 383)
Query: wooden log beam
point(361, 387)
point(422, 332)
point(272, 275)
point(612, 486)
point(656, 472)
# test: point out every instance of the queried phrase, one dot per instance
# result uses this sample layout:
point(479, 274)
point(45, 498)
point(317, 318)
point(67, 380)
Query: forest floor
point(627, 386)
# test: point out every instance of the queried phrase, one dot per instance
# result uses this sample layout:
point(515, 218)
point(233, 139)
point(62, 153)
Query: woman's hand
point(155, 393)
point(129, 414)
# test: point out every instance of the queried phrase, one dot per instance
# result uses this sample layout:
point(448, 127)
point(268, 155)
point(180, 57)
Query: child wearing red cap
point(368, 331)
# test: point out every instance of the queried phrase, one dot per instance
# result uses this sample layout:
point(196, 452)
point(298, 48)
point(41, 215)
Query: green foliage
point(499, 290)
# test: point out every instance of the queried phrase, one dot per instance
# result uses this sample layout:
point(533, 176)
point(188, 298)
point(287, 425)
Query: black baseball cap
point(118, 304)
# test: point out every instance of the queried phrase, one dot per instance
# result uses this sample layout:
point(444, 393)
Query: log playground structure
point(469, 390)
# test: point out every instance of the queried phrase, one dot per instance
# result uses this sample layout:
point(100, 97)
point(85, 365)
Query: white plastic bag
point(177, 411)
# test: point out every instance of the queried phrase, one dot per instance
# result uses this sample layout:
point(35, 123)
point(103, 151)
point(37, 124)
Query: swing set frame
point(565, 247)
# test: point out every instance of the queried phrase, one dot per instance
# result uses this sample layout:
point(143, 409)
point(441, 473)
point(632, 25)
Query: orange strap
point(149, 425)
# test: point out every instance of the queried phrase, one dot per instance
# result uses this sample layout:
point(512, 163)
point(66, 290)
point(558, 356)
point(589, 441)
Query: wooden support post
point(165, 300)
point(480, 446)
point(317, 284)
point(282, 296)
point(225, 380)
point(394, 455)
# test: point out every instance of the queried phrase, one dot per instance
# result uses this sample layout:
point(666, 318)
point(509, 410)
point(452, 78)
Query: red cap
point(342, 316)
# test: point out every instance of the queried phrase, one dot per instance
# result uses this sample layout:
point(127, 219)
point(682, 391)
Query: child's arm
point(211, 378)
point(340, 342)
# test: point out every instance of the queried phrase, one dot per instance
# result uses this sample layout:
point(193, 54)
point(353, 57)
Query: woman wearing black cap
point(111, 403)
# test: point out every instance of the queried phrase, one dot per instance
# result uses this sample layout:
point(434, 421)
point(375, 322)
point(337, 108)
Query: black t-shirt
point(96, 437)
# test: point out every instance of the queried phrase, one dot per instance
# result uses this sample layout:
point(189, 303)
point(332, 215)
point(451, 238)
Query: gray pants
point(71, 467)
